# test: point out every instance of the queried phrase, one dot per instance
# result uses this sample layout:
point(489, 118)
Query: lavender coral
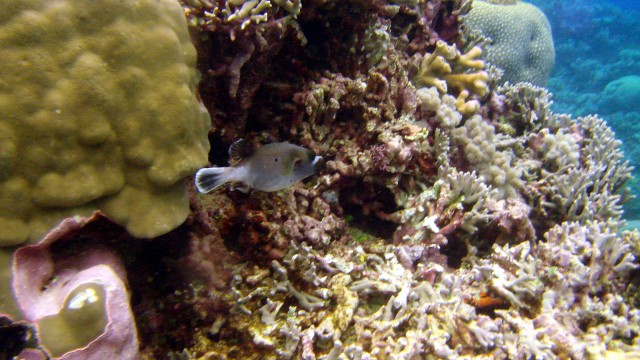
point(80, 304)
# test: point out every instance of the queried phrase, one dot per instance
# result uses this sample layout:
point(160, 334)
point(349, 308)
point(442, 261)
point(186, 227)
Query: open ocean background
point(597, 69)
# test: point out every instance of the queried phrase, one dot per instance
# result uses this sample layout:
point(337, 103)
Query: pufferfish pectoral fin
point(243, 188)
point(239, 150)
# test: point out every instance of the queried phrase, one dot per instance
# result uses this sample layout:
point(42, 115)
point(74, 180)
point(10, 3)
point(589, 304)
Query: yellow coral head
point(101, 115)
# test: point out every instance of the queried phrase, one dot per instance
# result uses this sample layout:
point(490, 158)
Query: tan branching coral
point(97, 111)
point(446, 69)
point(443, 69)
point(484, 148)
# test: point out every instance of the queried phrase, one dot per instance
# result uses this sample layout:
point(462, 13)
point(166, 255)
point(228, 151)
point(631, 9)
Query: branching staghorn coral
point(553, 282)
point(481, 147)
point(516, 278)
point(603, 255)
point(560, 163)
point(248, 10)
point(392, 301)
point(591, 191)
point(527, 106)
point(397, 312)
point(445, 68)
point(600, 260)
point(238, 12)
point(470, 192)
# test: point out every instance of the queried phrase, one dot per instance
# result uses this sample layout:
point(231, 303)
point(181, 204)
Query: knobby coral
point(521, 42)
point(98, 111)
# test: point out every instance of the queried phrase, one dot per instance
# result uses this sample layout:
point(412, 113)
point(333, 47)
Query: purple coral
point(43, 282)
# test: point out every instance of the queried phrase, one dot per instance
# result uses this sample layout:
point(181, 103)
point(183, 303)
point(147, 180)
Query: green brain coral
point(522, 45)
point(97, 111)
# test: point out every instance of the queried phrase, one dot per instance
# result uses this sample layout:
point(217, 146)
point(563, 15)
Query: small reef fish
point(271, 167)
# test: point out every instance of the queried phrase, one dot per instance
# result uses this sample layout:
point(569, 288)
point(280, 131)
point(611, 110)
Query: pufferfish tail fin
point(209, 179)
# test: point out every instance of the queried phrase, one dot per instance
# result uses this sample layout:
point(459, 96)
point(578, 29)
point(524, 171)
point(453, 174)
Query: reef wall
point(456, 216)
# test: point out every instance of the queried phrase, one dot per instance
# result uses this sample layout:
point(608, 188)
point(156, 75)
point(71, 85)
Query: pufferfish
point(271, 167)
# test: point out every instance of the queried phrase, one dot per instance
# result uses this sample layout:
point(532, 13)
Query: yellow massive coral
point(97, 111)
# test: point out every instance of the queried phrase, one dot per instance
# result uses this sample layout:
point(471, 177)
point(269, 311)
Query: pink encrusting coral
point(79, 304)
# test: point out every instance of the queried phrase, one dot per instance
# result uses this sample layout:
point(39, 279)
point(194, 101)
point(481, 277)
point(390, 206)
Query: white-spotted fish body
point(271, 167)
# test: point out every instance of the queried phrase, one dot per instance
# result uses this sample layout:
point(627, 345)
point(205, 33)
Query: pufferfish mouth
point(318, 163)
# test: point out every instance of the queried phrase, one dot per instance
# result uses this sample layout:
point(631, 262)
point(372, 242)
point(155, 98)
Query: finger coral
point(97, 111)
point(446, 69)
point(436, 69)
point(482, 147)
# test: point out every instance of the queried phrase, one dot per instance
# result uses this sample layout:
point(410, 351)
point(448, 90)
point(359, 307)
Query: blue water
point(626, 4)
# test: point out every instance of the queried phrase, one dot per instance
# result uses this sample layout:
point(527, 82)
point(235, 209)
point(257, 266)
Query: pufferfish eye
point(297, 163)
